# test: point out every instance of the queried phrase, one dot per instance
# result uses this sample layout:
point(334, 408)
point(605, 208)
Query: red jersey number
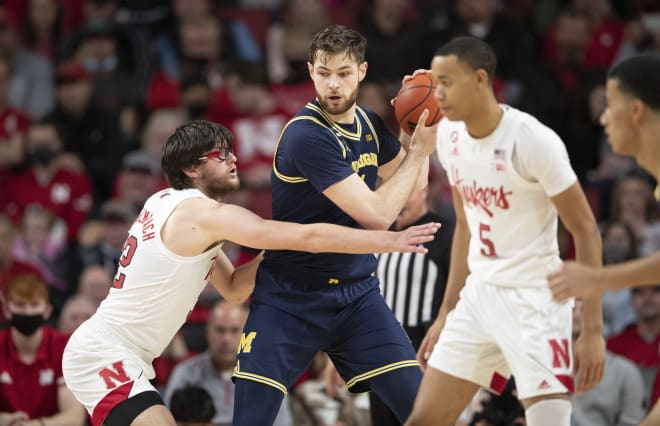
point(126, 257)
point(488, 248)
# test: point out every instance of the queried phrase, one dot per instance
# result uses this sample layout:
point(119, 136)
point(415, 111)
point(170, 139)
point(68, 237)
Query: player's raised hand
point(424, 136)
point(589, 361)
point(573, 280)
point(410, 240)
point(409, 77)
point(431, 338)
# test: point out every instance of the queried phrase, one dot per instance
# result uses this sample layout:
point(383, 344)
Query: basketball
point(414, 96)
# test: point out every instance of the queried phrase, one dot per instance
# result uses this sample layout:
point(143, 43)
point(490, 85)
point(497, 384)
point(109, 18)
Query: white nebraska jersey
point(154, 289)
point(505, 181)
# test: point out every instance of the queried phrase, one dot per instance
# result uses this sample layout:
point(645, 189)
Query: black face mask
point(26, 324)
point(42, 155)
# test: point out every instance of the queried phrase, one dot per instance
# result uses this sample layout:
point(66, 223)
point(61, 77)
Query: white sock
point(549, 412)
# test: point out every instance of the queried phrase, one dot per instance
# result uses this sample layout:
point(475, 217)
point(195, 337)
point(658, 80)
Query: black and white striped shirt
point(413, 284)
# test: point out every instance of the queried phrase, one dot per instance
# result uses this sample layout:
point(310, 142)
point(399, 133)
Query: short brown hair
point(26, 286)
point(337, 39)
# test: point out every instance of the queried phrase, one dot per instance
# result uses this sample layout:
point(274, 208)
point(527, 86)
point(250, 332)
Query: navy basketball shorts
point(289, 322)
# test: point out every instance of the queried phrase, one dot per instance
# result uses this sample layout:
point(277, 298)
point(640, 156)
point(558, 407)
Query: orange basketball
point(414, 96)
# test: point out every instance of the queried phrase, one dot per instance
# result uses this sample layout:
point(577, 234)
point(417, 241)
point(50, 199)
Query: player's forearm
point(458, 268)
point(392, 195)
point(638, 272)
point(329, 238)
point(235, 285)
point(423, 176)
point(588, 251)
point(243, 278)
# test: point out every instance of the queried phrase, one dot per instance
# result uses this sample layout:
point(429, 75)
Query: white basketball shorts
point(103, 370)
point(496, 331)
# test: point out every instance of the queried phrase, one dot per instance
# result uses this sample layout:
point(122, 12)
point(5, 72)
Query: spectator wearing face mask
point(65, 193)
point(32, 389)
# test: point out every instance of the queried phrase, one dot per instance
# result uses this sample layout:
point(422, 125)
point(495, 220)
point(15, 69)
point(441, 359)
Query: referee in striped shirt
point(413, 284)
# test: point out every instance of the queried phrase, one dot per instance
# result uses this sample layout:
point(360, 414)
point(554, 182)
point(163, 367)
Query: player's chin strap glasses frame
point(220, 154)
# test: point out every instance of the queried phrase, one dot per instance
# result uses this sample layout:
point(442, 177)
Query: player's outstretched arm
point(458, 272)
point(200, 223)
point(241, 226)
point(575, 280)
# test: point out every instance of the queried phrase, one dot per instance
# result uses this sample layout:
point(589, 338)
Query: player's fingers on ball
point(423, 116)
point(421, 71)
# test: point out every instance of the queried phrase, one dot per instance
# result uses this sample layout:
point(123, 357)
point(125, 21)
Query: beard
point(215, 188)
point(342, 107)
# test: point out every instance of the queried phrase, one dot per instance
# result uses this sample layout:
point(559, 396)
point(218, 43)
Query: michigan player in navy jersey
point(325, 169)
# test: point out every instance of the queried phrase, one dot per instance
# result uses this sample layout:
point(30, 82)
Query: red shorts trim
point(110, 401)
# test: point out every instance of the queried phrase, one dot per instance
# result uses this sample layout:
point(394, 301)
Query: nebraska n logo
point(561, 355)
point(114, 377)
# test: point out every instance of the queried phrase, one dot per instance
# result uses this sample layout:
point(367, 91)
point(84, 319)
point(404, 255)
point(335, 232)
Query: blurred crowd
point(91, 89)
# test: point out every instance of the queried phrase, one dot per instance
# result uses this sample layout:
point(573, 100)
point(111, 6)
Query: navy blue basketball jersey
point(312, 154)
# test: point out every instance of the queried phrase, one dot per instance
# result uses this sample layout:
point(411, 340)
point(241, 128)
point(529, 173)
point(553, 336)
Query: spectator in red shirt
point(65, 193)
point(31, 383)
point(639, 341)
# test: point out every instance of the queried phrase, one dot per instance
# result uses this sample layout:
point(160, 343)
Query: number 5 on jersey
point(487, 246)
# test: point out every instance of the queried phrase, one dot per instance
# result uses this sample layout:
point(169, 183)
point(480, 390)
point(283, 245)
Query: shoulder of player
point(304, 126)
point(194, 210)
point(531, 132)
point(214, 216)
